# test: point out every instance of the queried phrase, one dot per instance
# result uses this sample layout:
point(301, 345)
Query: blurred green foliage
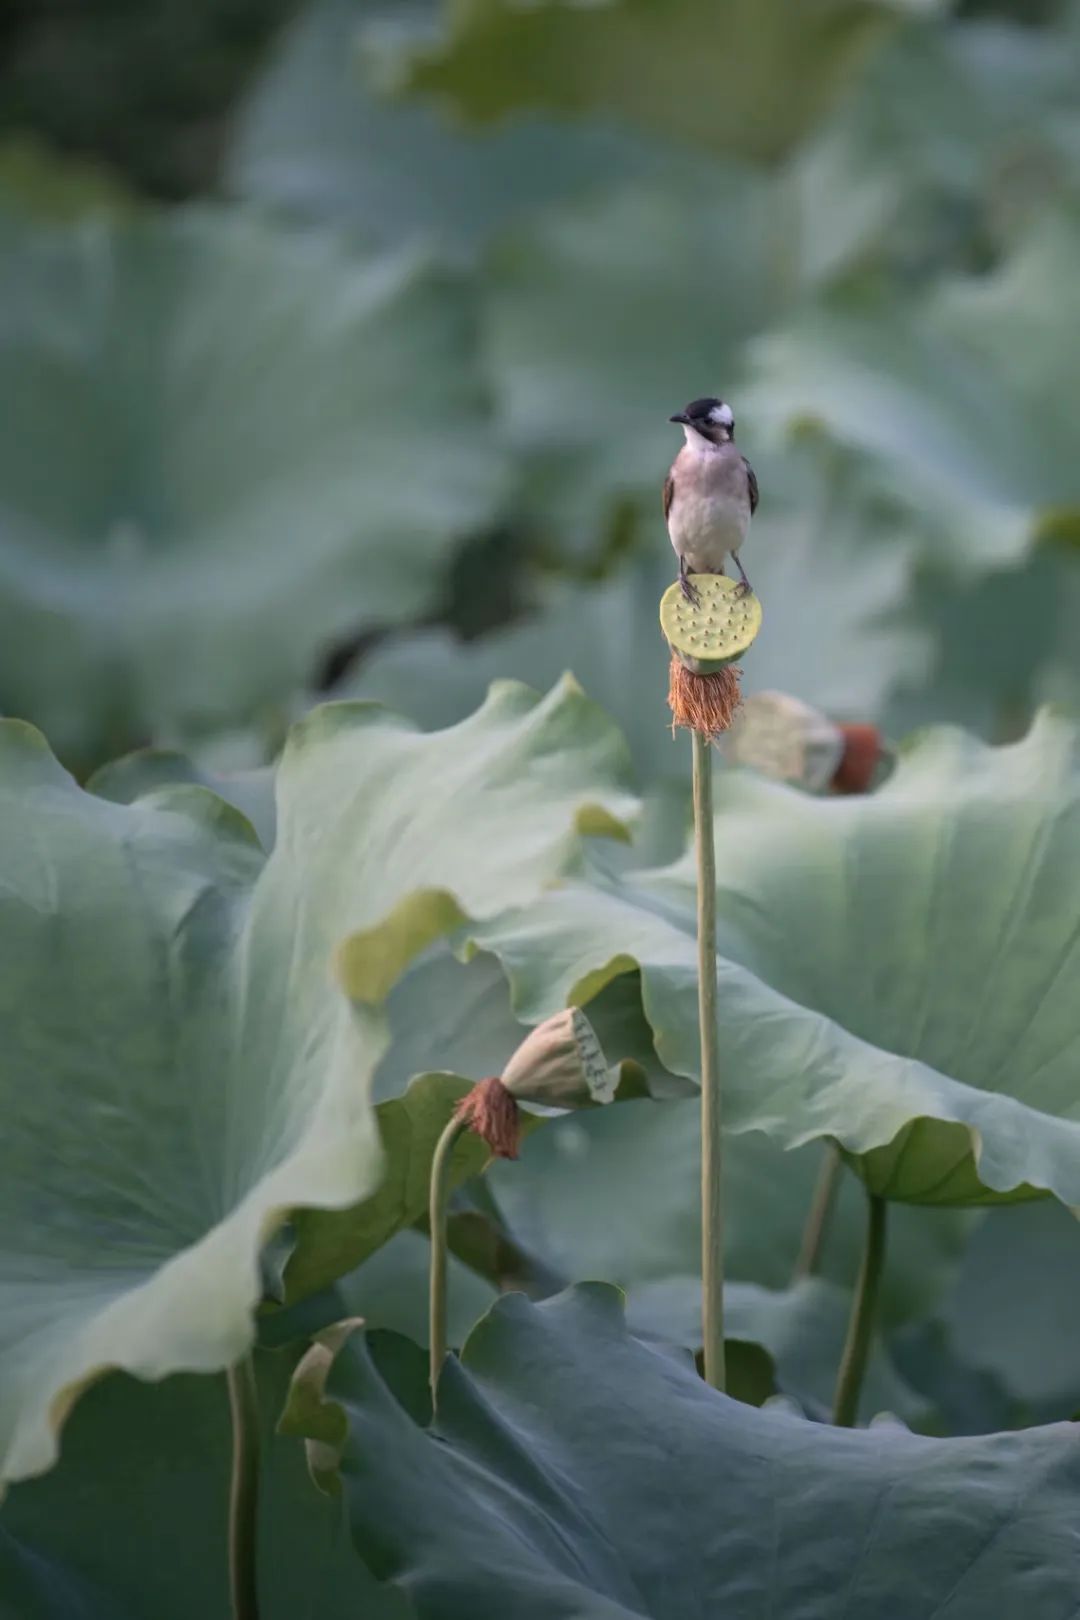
point(862, 229)
point(143, 86)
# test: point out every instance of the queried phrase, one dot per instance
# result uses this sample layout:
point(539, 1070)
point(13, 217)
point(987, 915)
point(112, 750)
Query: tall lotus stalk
point(560, 1064)
point(706, 637)
point(785, 738)
point(244, 1490)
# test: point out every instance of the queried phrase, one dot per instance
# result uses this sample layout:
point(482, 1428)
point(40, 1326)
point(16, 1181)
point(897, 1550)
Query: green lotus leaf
point(585, 410)
point(35, 180)
point(1029, 1258)
point(460, 1014)
point(211, 471)
point(803, 1329)
point(575, 1471)
point(442, 1009)
point(154, 1541)
point(328, 1243)
point(1004, 644)
point(615, 1194)
point(812, 541)
point(963, 401)
point(150, 769)
point(179, 1067)
point(895, 971)
point(316, 141)
point(748, 77)
point(388, 1290)
point(954, 138)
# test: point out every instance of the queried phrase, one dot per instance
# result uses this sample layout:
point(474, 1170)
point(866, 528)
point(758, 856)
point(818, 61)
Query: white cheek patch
point(722, 416)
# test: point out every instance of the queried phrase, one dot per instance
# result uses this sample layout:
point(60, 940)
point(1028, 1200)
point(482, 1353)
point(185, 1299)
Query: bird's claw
point(742, 588)
point(689, 590)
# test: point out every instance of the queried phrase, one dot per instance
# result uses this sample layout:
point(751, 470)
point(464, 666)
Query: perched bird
point(710, 494)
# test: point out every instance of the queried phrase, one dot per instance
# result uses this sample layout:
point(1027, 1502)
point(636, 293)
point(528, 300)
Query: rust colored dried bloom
point(703, 703)
point(862, 750)
point(490, 1111)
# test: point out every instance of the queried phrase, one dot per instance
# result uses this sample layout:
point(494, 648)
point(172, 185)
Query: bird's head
point(709, 419)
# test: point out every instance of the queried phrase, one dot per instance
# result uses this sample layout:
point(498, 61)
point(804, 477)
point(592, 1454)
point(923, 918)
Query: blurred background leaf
point(210, 473)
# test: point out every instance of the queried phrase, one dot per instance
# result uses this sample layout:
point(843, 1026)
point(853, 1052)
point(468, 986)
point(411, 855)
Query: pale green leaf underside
point(178, 1065)
point(897, 971)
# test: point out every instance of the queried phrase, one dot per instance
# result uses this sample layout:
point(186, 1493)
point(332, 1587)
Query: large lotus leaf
point(443, 1010)
point(615, 1195)
point(211, 472)
point(149, 769)
point(576, 1472)
point(964, 401)
point(389, 1290)
point(315, 141)
point(895, 971)
point(950, 142)
point(803, 1329)
point(132, 1522)
point(1014, 1311)
point(1003, 644)
point(849, 656)
point(327, 1243)
point(586, 408)
point(178, 1065)
point(750, 76)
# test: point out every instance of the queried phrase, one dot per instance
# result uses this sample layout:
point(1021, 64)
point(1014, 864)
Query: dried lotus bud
point(784, 738)
point(560, 1064)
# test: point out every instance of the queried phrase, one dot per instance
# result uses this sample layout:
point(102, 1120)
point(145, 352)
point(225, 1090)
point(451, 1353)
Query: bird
point(710, 494)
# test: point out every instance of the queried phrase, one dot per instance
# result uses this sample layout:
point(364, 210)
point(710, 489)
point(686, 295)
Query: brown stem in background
point(819, 1214)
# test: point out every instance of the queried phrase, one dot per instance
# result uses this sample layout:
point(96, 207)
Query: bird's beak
point(680, 417)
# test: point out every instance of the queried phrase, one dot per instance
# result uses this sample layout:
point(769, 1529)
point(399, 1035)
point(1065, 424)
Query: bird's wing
point(669, 495)
point(751, 479)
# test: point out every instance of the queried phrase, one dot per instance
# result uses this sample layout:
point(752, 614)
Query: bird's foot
point(687, 586)
point(742, 588)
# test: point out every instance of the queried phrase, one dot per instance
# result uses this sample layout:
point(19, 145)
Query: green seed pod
point(714, 631)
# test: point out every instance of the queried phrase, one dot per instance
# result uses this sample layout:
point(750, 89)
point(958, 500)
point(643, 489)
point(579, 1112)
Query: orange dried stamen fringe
point(704, 703)
point(490, 1111)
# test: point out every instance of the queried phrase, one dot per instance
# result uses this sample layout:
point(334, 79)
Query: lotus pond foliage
point(335, 758)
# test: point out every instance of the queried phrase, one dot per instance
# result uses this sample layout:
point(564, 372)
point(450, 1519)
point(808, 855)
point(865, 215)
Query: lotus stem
point(863, 1315)
point(439, 1198)
point(712, 1192)
point(819, 1214)
point(244, 1490)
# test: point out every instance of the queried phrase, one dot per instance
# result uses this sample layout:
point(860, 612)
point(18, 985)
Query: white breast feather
point(710, 513)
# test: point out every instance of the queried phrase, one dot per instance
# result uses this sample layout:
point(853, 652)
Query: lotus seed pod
point(714, 631)
point(784, 738)
point(560, 1064)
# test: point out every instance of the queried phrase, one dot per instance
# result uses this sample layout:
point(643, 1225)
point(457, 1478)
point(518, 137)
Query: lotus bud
point(784, 738)
point(559, 1064)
